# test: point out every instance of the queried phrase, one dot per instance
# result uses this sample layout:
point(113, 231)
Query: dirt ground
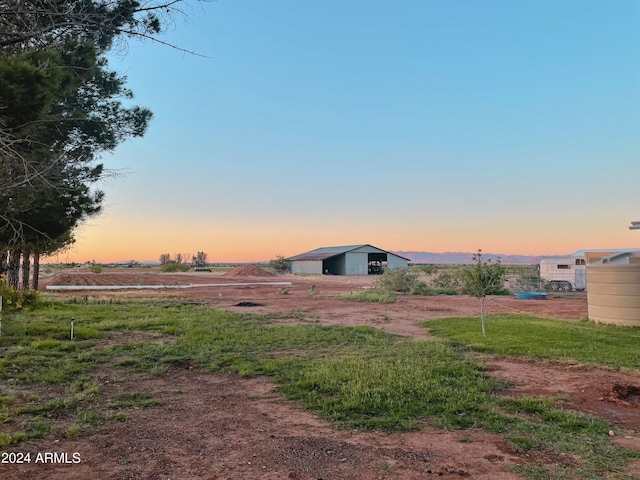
point(221, 426)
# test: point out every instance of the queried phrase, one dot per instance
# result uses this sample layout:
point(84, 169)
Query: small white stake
point(72, 329)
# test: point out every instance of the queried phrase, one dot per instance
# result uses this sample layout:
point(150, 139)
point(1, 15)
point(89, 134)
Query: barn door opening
point(377, 263)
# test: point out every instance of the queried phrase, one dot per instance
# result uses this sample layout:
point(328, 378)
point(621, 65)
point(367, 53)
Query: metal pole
point(72, 329)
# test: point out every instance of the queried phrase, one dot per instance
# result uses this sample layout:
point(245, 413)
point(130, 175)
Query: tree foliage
point(280, 264)
point(397, 280)
point(63, 108)
point(169, 265)
point(483, 278)
point(60, 110)
point(40, 23)
point(199, 260)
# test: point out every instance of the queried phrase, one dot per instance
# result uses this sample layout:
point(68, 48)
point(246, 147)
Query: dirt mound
point(626, 394)
point(248, 271)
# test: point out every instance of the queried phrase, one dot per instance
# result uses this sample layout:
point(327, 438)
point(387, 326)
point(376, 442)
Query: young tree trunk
point(26, 268)
point(484, 333)
point(13, 272)
point(36, 269)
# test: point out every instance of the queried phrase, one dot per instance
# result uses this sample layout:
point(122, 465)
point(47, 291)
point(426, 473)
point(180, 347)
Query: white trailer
point(570, 273)
point(564, 274)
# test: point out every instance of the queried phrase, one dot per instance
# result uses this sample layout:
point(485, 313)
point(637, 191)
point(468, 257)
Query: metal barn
point(346, 260)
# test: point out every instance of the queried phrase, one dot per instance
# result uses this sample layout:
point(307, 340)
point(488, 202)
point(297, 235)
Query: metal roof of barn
point(324, 253)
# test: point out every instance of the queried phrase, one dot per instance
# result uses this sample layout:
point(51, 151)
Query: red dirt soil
point(248, 271)
point(220, 426)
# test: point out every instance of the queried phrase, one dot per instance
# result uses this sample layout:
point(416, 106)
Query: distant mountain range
point(429, 257)
point(467, 257)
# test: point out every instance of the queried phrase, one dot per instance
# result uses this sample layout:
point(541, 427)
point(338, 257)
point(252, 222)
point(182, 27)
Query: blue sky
point(452, 125)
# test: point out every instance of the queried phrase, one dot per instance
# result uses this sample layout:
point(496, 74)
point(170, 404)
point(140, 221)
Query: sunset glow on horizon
point(256, 243)
point(412, 126)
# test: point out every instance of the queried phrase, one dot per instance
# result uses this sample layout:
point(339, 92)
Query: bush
point(174, 267)
point(421, 288)
point(530, 283)
point(397, 280)
point(95, 268)
point(13, 299)
point(450, 278)
point(444, 291)
point(427, 269)
point(280, 264)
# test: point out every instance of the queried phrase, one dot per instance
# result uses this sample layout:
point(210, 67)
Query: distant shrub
point(421, 288)
point(427, 268)
point(450, 278)
point(397, 280)
point(172, 267)
point(444, 291)
point(95, 268)
point(529, 283)
point(372, 296)
point(280, 264)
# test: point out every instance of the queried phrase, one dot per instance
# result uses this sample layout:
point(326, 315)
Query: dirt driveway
point(220, 426)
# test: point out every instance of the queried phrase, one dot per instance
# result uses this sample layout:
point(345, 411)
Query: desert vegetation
point(355, 377)
point(280, 264)
point(172, 265)
point(408, 281)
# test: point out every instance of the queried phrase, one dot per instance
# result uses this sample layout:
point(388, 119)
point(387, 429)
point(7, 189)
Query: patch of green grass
point(533, 471)
point(8, 439)
point(84, 387)
point(72, 431)
point(47, 407)
point(29, 365)
point(98, 318)
point(5, 414)
point(39, 428)
point(543, 338)
point(88, 417)
point(357, 377)
point(158, 370)
point(371, 296)
point(392, 387)
point(134, 400)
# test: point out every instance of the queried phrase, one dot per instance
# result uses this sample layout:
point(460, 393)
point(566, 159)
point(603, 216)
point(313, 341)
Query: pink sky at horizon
point(106, 240)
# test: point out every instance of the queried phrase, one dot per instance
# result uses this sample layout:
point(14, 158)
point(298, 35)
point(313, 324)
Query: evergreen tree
point(60, 109)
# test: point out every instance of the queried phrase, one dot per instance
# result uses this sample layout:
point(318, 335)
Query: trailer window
point(580, 261)
point(564, 267)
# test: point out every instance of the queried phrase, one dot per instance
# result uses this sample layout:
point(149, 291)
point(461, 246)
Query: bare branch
point(32, 23)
